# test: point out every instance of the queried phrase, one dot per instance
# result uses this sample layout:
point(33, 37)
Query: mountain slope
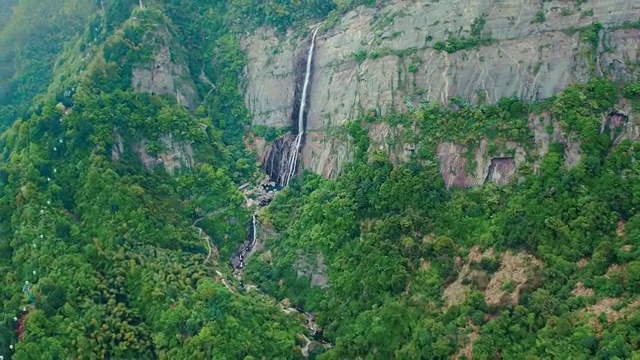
point(543, 266)
point(30, 41)
point(104, 238)
point(453, 226)
point(396, 55)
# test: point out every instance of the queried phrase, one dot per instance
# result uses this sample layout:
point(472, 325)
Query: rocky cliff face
point(457, 169)
point(167, 73)
point(175, 155)
point(385, 59)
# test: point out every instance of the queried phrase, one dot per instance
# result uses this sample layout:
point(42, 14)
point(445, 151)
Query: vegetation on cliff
point(115, 265)
point(545, 266)
point(107, 255)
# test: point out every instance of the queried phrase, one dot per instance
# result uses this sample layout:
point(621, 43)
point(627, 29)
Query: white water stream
point(290, 166)
point(238, 263)
point(303, 104)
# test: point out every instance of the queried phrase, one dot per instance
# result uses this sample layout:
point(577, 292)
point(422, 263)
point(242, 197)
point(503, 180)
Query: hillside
point(103, 180)
point(346, 179)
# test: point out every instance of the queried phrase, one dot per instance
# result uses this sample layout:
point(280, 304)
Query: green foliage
point(632, 90)
point(630, 25)
point(390, 236)
point(509, 286)
point(590, 34)
point(455, 44)
point(488, 264)
point(115, 252)
point(281, 14)
point(360, 137)
point(477, 38)
point(565, 11)
point(121, 257)
point(506, 120)
point(124, 239)
point(269, 133)
point(360, 55)
point(30, 41)
point(478, 25)
point(540, 18)
point(586, 13)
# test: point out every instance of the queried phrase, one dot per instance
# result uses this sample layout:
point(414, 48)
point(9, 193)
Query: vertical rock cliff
point(397, 55)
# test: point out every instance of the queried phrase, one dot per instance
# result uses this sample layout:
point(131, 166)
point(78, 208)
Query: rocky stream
point(282, 165)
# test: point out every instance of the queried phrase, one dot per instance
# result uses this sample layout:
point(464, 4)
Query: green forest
point(120, 209)
point(379, 225)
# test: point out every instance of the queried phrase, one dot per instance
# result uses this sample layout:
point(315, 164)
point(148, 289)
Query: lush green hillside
point(528, 270)
point(120, 208)
point(31, 38)
point(116, 266)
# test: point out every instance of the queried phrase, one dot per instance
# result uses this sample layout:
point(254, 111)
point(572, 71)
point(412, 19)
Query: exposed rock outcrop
point(326, 153)
point(501, 288)
point(173, 156)
point(457, 164)
point(622, 123)
point(277, 160)
point(393, 141)
point(316, 269)
point(118, 148)
point(383, 58)
point(165, 74)
point(517, 270)
point(547, 130)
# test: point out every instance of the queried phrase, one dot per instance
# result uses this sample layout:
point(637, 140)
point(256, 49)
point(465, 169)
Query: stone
point(165, 75)
point(527, 59)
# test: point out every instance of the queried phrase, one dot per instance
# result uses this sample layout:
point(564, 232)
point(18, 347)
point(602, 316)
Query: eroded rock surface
point(464, 167)
point(174, 156)
point(316, 268)
point(394, 141)
point(165, 75)
point(397, 64)
point(502, 288)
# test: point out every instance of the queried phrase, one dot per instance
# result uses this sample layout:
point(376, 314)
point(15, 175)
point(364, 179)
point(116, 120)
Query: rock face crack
point(501, 170)
point(276, 164)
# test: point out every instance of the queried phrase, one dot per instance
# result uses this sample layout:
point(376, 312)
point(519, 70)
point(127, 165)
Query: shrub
point(361, 55)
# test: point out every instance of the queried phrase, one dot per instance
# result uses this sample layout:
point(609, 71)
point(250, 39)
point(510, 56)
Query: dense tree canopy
point(396, 242)
point(120, 209)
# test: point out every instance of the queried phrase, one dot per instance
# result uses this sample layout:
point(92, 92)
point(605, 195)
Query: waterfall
point(254, 223)
point(237, 262)
point(301, 112)
point(280, 164)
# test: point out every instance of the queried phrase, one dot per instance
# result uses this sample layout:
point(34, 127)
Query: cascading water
point(301, 112)
point(282, 159)
point(238, 261)
point(280, 166)
point(254, 223)
point(281, 163)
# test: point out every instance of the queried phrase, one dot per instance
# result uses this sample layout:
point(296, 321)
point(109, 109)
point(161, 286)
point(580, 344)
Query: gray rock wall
point(168, 73)
point(528, 59)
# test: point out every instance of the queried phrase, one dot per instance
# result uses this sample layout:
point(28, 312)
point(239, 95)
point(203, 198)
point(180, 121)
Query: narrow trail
point(226, 284)
point(207, 241)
